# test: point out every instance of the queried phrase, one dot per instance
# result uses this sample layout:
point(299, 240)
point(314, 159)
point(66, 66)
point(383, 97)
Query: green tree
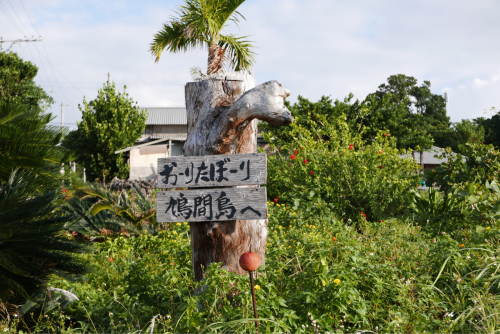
point(32, 246)
point(17, 85)
point(199, 24)
point(110, 122)
point(491, 128)
point(461, 133)
point(423, 120)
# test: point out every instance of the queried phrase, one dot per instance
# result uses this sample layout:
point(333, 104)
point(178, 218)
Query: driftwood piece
point(222, 113)
point(202, 205)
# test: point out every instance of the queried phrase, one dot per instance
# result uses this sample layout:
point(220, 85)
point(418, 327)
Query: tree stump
point(222, 112)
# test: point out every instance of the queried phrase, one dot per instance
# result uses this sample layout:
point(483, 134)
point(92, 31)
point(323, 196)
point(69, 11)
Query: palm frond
point(239, 51)
point(175, 38)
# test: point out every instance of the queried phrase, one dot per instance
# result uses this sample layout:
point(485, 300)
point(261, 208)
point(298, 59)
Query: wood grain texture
point(212, 171)
point(202, 205)
point(221, 128)
point(215, 129)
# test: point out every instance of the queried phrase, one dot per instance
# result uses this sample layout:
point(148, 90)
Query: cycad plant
point(199, 24)
point(100, 209)
point(31, 243)
point(29, 143)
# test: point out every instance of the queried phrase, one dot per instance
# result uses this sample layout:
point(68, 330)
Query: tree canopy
point(17, 84)
point(199, 25)
point(110, 122)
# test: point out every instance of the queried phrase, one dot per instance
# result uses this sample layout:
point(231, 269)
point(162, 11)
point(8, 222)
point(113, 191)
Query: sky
point(313, 48)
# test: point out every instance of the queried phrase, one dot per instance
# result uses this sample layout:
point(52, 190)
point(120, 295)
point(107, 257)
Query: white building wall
point(143, 163)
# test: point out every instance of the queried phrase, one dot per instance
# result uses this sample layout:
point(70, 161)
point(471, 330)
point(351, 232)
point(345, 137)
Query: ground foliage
point(388, 276)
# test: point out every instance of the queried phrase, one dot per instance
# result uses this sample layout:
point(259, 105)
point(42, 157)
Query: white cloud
point(314, 48)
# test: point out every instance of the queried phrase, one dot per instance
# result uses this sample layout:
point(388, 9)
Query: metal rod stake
point(254, 304)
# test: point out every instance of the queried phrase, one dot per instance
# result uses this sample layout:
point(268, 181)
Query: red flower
point(311, 172)
point(387, 135)
point(305, 161)
point(296, 152)
point(275, 200)
point(381, 220)
point(173, 263)
point(364, 215)
point(351, 146)
point(380, 166)
point(277, 197)
point(292, 157)
point(65, 191)
point(301, 148)
point(334, 239)
point(111, 260)
point(279, 149)
point(361, 212)
point(380, 152)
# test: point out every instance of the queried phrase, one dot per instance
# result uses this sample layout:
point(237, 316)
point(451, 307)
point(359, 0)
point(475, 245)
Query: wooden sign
point(203, 205)
point(212, 171)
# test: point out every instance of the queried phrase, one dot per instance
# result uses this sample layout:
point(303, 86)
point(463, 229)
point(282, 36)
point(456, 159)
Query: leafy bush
point(391, 277)
point(321, 163)
point(478, 164)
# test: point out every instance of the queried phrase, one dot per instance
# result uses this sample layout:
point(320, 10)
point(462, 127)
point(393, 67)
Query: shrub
point(321, 163)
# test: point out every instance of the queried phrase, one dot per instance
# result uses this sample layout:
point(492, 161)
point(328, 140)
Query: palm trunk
point(215, 59)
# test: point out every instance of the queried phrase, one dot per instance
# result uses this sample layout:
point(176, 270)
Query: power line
point(18, 16)
point(5, 12)
point(22, 3)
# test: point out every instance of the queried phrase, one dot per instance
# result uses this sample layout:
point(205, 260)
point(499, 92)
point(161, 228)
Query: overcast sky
point(314, 48)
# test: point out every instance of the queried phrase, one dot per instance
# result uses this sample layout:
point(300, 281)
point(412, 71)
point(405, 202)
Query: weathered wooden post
point(222, 112)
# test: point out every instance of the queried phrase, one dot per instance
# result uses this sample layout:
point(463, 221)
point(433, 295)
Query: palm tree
point(199, 24)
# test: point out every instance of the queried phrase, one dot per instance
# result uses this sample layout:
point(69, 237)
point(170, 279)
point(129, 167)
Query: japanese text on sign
point(211, 204)
point(212, 171)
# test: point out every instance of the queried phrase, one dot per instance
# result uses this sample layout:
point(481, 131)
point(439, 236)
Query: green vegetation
point(110, 122)
point(392, 276)
point(200, 24)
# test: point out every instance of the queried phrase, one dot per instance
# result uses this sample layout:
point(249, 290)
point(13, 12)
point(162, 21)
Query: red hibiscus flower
point(292, 157)
point(111, 260)
point(380, 166)
point(311, 172)
point(351, 146)
point(380, 152)
point(296, 152)
point(301, 148)
point(275, 200)
point(387, 135)
point(65, 191)
point(305, 161)
point(279, 149)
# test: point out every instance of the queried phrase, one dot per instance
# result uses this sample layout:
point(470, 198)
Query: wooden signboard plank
point(212, 170)
point(201, 205)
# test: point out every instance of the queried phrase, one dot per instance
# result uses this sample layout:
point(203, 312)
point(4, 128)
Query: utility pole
point(109, 77)
point(62, 111)
point(18, 41)
point(446, 99)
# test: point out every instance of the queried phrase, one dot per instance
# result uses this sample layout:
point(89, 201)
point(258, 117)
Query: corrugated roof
point(166, 115)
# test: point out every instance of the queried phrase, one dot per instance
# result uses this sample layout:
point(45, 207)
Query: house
point(431, 162)
point(164, 136)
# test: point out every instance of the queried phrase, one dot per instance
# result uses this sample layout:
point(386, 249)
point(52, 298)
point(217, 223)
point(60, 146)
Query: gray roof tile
point(166, 115)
